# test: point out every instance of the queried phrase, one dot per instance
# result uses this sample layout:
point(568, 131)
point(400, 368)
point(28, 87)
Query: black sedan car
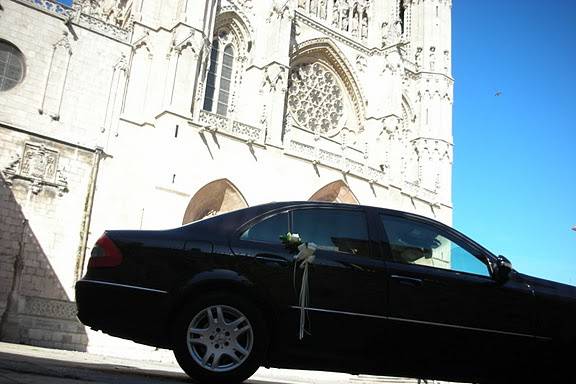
point(358, 290)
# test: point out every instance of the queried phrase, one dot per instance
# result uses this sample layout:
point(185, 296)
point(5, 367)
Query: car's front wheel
point(219, 338)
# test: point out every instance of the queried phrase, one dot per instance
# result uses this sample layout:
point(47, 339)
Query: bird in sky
point(498, 93)
point(574, 228)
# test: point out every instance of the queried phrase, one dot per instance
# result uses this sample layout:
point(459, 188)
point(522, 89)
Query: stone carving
point(39, 166)
point(315, 98)
point(393, 62)
point(112, 18)
point(301, 149)
point(329, 158)
point(322, 10)
point(104, 28)
point(247, 132)
point(57, 309)
point(346, 15)
point(336, 14)
point(114, 12)
point(391, 33)
point(280, 9)
point(273, 78)
point(213, 122)
point(39, 162)
point(361, 63)
point(246, 4)
point(432, 61)
point(364, 31)
point(345, 22)
point(355, 21)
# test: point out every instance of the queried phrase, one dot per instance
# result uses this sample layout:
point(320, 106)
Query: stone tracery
point(315, 98)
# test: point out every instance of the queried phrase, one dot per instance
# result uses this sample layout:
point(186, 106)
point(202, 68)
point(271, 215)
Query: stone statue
point(335, 14)
point(384, 32)
point(364, 26)
point(322, 11)
point(345, 15)
point(314, 7)
point(355, 17)
point(397, 30)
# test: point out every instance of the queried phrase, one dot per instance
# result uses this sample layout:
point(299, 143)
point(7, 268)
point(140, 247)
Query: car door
point(445, 308)
point(347, 283)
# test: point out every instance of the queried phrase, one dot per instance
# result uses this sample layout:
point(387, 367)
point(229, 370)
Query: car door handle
point(408, 280)
point(270, 257)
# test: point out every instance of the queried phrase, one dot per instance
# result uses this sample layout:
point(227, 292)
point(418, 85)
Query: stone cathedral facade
point(150, 114)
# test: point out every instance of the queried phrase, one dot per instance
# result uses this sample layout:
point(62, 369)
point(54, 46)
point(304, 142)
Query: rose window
point(315, 98)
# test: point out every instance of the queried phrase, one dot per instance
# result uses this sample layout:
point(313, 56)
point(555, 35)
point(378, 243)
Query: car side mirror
point(503, 269)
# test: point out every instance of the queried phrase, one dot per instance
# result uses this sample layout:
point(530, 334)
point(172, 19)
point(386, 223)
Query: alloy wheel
point(220, 338)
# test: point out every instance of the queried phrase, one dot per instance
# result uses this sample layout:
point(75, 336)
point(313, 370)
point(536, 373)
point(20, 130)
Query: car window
point(268, 230)
point(412, 242)
point(333, 229)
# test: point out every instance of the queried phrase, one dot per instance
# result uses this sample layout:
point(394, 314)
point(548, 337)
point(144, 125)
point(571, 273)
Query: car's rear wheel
point(219, 338)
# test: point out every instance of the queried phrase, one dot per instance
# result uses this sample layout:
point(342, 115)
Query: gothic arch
point(408, 118)
point(232, 42)
point(215, 197)
point(335, 192)
point(232, 21)
point(323, 51)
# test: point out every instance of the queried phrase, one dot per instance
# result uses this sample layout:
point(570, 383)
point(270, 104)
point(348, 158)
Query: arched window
point(218, 82)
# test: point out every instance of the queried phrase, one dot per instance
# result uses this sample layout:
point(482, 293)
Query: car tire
point(219, 338)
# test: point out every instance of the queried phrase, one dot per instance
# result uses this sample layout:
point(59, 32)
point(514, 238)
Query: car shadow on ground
point(16, 366)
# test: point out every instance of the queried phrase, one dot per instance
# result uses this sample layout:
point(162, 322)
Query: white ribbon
point(306, 257)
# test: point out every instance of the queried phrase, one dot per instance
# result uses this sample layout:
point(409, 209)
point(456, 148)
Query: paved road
point(21, 364)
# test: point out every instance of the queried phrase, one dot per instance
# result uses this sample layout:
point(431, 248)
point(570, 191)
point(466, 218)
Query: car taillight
point(105, 254)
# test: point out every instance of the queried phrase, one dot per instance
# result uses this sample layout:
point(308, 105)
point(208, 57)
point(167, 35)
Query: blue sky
point(514, 181)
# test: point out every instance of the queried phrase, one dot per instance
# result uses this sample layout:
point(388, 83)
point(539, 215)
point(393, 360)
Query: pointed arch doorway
point(335, 192)
point(215, 197)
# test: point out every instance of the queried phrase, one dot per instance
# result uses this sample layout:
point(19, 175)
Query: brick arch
point(216, 197)
point(335, 192)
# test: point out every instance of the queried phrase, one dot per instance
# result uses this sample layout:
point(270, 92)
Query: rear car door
point(445, 308)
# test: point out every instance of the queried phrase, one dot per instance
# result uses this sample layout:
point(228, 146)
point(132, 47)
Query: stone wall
point(43, 192)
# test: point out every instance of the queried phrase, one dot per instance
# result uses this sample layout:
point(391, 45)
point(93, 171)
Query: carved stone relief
point(274, 75)
point(361, 63)
point(114, 12)
point(39, 166)
point(391, 33)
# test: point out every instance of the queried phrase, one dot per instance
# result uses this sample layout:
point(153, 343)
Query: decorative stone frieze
point(57, 309)
point(117, 13)
point(217, 123)
point(105, 28)
point(347, 16)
